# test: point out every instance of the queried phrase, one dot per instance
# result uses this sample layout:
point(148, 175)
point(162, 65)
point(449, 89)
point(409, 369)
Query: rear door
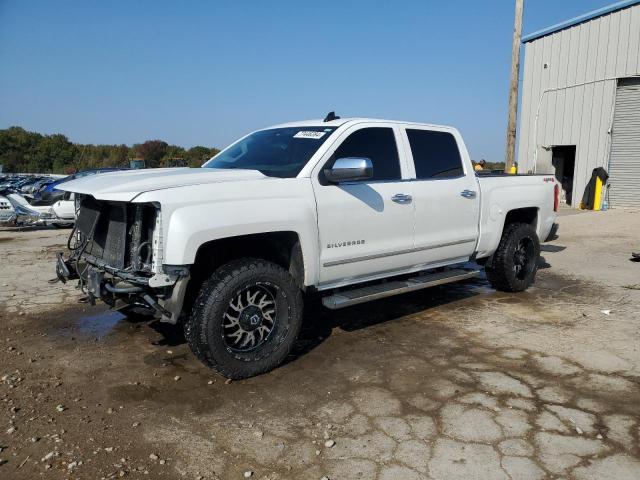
point(365, 227)
point(446, 195)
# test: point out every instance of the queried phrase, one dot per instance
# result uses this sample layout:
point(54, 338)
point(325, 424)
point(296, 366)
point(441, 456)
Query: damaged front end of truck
point(116, 256)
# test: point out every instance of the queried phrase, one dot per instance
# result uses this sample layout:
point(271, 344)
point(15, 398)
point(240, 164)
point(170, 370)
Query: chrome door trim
point(397, 252)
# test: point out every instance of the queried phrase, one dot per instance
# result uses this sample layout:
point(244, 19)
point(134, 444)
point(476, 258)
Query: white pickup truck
point(351, 209)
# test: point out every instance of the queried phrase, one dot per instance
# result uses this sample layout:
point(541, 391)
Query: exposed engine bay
point(116, 257)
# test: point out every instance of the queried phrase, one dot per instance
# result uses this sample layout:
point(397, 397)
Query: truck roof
point(342, 121)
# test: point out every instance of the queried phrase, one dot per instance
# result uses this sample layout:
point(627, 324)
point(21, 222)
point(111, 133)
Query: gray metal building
point(580, 106)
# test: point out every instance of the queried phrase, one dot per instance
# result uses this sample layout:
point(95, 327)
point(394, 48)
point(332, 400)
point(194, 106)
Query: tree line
point(31, 152)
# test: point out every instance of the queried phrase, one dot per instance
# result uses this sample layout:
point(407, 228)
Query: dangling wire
point(146, 244)
point(77, 263)
point(77, 250)
point(73, 231)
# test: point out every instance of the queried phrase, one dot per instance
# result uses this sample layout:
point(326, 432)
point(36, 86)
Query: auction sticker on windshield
point(309, 134)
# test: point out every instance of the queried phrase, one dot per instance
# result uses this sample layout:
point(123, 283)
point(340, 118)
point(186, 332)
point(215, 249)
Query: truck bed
point(500, 192)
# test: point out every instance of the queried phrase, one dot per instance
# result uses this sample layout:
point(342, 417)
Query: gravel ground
point(455, 382)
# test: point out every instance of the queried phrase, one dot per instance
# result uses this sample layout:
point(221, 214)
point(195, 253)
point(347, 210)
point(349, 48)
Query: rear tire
point(246, 318)
point(515, 263)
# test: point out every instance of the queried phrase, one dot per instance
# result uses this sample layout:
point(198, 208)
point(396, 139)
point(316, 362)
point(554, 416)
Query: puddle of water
point(100, 324)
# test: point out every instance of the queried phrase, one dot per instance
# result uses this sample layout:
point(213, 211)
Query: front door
point(365, 227)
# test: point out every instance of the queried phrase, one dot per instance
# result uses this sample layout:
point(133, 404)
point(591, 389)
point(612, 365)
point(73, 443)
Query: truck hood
point(124, 186)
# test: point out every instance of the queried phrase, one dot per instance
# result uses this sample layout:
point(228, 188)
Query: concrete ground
point(455, 382)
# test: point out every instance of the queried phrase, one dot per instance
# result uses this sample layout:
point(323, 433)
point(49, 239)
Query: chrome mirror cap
point(349, 169)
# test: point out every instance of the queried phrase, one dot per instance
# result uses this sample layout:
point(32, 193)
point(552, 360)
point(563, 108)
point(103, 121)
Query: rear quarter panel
point(501, 194)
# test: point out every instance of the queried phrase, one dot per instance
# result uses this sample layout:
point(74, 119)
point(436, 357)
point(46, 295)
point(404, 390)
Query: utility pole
point(513, 88)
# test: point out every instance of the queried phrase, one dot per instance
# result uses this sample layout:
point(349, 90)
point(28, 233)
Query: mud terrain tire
point(238, 304)
point(515, 263)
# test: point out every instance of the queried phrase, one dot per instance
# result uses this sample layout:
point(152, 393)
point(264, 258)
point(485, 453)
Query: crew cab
point(350, 209)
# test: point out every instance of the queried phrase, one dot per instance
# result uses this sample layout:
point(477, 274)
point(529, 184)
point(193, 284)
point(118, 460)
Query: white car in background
point(61, 214)
point(15, 208)
point(7, 212)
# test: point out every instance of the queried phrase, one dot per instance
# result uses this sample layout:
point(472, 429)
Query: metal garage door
point(624, 163)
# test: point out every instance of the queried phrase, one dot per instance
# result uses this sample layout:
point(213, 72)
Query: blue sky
point(206, 72)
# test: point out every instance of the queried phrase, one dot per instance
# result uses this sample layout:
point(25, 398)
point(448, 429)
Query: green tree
point(197, 155)
point(152, 151)
point(172, 152)
point(18, 148)
point(118, 156)
point(24, 151)
point(53, 153)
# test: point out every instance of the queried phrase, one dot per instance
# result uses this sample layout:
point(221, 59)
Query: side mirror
point(349, 169)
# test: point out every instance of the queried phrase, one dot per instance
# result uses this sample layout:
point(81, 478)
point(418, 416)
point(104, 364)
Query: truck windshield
point(277, 152)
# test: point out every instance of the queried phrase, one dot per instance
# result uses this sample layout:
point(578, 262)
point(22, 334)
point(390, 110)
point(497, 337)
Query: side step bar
point(373, 292)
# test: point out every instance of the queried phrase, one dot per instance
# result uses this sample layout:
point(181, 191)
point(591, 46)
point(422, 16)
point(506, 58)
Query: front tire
point(246, 318)
point(514, 265)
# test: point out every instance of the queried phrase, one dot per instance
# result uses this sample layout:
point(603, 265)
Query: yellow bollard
point(597, 194)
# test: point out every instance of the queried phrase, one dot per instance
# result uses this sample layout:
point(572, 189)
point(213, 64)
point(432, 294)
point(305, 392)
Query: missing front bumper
point(64, 269)
point(110, 285)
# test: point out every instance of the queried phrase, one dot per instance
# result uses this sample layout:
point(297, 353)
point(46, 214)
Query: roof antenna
point(331, 116)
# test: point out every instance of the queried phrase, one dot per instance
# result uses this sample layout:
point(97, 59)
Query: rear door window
point(377, 144)
point(435, 154)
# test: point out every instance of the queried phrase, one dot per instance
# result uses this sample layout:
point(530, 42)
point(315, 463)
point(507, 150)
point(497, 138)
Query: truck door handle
point(401, 198)
point(468, 194)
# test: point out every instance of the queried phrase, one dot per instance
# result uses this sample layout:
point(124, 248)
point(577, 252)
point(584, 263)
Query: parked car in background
point(49, 193)
point(35, 200)
point(60, 214)
point(7, 212)
point(15, 198)
point(15, 208)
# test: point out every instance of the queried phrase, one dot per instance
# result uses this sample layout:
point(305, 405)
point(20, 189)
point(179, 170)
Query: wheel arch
point(282, 248)
point(528, 215)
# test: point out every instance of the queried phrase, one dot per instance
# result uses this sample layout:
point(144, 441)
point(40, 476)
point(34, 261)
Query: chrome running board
point(347, 298)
